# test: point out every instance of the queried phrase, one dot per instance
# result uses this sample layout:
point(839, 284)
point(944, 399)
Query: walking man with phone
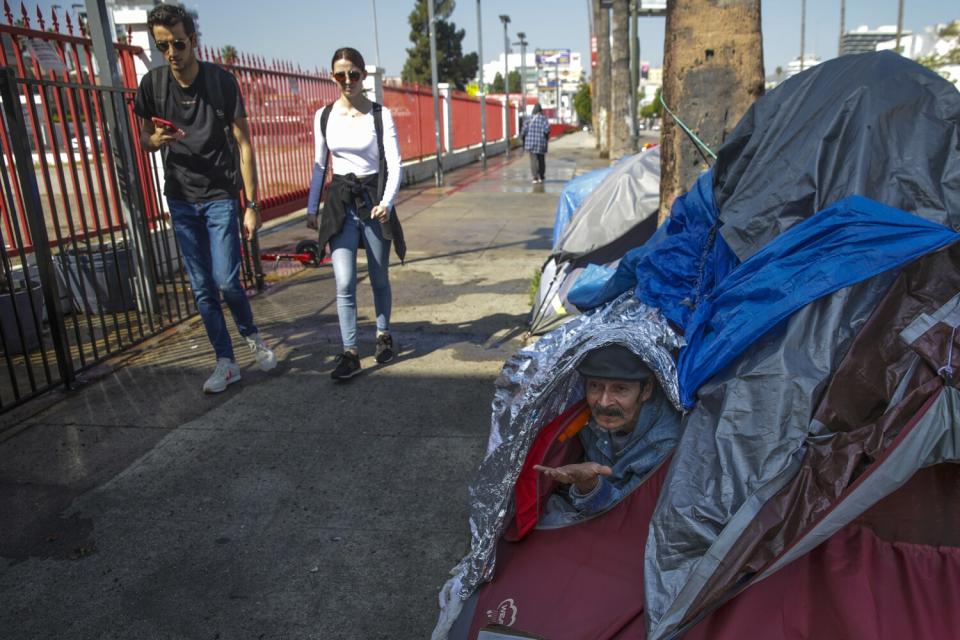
point(193, 113)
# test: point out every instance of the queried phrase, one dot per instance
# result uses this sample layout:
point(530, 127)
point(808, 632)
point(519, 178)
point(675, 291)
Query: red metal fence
point(90, 264)
point(76, 285)
point(280, 100)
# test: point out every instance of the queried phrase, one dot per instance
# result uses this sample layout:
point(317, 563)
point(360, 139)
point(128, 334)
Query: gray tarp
point(876, 125)
point(629, 195)
point(741, 444)
point(617, 216)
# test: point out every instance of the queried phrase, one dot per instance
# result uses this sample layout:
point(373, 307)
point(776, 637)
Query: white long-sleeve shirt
point(352, 141)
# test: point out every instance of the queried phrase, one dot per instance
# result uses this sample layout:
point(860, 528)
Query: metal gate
point(89, 264)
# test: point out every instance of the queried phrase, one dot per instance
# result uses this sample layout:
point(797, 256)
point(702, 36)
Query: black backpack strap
point(213, 87)
point(324, 117)
point(213, 92)
point(382, 174)
point(160, 83)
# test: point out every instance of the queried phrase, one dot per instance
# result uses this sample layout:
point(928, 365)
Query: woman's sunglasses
point(179, 45)
point(341, 76)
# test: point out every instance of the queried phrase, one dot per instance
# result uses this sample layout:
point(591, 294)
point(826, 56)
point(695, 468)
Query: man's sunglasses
point(179, 45)
point(341, 76)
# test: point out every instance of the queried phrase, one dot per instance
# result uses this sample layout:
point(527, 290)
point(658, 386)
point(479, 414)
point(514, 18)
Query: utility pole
point(483, 94)
point(899, 24)
point(376, 33)
point(803, 30)
point(505, 19)
point(436, 98)
point(634, 73)
point(557, 69)
point(713, 71)
point(843, 26)
point(522, 37)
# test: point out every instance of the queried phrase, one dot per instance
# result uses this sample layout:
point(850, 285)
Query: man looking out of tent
point(632, 428)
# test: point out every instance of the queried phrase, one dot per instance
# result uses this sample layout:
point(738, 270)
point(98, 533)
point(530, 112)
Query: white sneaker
point(263, 354)
point(225, 373)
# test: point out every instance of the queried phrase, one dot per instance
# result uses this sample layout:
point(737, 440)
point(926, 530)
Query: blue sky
point(309, 32)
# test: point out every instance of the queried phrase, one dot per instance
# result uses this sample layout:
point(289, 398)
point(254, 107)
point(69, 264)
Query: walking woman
point(361, 138)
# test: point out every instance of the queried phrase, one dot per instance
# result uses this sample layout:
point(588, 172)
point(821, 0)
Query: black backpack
point(395, 229)
point(378, 126)
point(213, 92)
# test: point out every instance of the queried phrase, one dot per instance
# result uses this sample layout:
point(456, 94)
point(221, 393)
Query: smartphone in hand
point(169, 126)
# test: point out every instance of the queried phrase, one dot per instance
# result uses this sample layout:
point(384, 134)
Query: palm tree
point(229, 54)
point(620, 129)
point(601, 19)
point(712, 72)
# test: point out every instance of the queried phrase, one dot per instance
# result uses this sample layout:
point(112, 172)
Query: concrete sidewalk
point(289, 506)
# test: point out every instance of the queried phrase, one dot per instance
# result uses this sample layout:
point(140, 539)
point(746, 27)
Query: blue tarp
point(688, 272)
point(849, 242)
point(683, 261)
point(574, 192)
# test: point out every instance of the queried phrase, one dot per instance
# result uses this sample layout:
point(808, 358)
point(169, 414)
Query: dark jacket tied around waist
point(361, 193)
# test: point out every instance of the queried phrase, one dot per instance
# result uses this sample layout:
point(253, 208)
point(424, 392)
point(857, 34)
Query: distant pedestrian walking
point(362, 139)
point(535, 134)
point(194, 113)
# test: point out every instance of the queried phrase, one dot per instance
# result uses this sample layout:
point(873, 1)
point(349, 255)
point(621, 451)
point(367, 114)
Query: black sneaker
point(348, 365)
point(384, 352)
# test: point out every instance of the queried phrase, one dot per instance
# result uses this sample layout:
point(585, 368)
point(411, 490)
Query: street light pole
point(899, 25)
point(557, 67)
point(523, 70)
point(505, 19)
point(483, 95)
point(803, 31)
point(436, 98)
point(376, 35)
point(634, 74)
point(843, 26)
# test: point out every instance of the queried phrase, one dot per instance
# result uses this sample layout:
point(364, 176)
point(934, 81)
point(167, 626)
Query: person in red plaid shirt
point(535, 133)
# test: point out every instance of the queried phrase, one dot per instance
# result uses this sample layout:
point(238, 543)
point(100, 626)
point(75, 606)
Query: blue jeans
point(209, 238)
point(343, 247)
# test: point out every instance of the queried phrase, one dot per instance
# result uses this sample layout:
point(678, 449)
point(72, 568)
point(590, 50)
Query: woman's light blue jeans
point(343, 247)
point(209, 238)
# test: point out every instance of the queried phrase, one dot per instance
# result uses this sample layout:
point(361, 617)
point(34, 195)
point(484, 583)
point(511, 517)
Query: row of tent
point(801, 307)
point(601, 215)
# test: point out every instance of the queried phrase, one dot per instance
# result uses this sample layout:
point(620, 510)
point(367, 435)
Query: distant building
point(491, 69)
point(863, 39)
point(545, 69)
point(130, 18)
point(793, 67)
point(933, 43)
point(651, 81)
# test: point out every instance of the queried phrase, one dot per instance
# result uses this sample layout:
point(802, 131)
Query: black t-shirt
point(203, 166)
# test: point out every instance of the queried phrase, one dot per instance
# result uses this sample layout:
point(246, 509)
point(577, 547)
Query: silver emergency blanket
point(536, 385)
point(742, 443)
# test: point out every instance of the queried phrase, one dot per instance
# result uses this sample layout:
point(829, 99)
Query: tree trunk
point(621, 132)
point(601, 18)
point(713, 71)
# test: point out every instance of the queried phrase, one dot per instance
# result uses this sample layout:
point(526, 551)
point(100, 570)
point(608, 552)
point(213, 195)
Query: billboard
point(553, 56)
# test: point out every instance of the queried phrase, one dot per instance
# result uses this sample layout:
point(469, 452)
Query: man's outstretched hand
point(583, 474)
